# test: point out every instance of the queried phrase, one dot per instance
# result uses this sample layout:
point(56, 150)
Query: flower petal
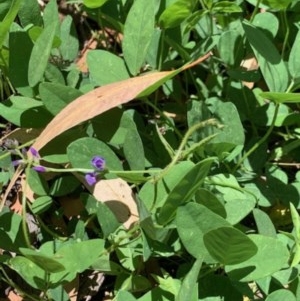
point(98, 162)
point(91, 178)
point(39, 168)
point(34, 152)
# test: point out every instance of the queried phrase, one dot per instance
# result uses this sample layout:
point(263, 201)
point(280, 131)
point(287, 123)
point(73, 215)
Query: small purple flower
point(34, 152)
point(98, 162)
point(39, 168)
point(91, 178)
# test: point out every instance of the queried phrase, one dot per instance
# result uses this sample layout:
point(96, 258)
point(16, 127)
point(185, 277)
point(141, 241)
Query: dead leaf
point(249, 64)
point(72, 288)
point(81, 62)
point(117, 194)
point(12, 296)
point(103, 99)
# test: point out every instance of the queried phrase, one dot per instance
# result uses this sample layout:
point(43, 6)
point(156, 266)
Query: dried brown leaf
point(102, 99)
point(117, 194)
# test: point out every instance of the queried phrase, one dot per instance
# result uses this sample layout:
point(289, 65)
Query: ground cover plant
point(150, 150)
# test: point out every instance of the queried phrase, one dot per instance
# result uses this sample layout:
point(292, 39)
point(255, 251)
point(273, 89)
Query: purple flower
point(98, 162)
point(39, 168)
point(91, 178)
point(34, 152)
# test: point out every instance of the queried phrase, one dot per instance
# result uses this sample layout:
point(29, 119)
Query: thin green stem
point(255, 10)
point(161, 49)
point(49, 231)
point(260, 142)
point(287, 32)
point(8, 153)
point(24, 211)
point(89, 170)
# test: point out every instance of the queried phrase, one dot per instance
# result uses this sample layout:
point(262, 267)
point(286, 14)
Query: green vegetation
point(171, 166)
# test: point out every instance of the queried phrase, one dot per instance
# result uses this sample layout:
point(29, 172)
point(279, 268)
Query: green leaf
point(105, 216)
point(134, 150)
point(20, 47)
point(94, 3)
point(294, 59)
point(69, 42)
point(30, 13)
point(209, 200)
point(51, 16)
point(11, 233)
point(232, 134)
point(225, 7)
point(281, 294)
point(76, 257)
point(277, 4)
point(29, 271)
point(125, 296)
point(25, 112)
point(41, 204)
point(229, 43)
point(271, 64)
point(272, 256)
point(278, 97)
point(37, 183)
point(267, 22)
point(138, 31)
point(229, 245)
point(54, 75)
point(56, 96)
point(81, 152)
point(8, 20)
point(105, 67)
point(176, 13)
point(58, 294)
point(184, 190)
point(193, 221)
point(44, 261)
point(107, 220)
point(40, 55)
point(247, 204)
point(34, 33)
point(188, 290)
point(264, 223)
point(153, 194)
point(242, 75)
point(296, 223)
point(63, 185)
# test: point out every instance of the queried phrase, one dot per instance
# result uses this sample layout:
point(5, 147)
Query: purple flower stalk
point(91, 178)
point(98, 162)
point(39, 168)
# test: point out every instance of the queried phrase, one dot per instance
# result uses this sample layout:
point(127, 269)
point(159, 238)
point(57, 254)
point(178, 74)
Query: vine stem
point(24, 211)
point(286, 37)
point(178, 154)
point(255, 11)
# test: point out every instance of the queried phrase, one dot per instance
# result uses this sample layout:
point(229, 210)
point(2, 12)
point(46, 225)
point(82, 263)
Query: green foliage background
point(211, 156)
